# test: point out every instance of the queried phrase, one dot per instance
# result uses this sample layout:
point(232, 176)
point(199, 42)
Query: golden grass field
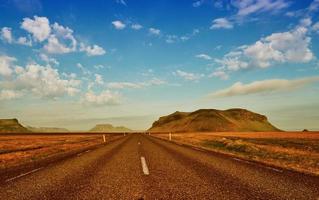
point(17, 150)
point(293, 150)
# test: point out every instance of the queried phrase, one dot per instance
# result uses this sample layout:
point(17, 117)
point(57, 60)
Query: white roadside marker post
point(124, 133)
point(170, 136)
point(104, 139)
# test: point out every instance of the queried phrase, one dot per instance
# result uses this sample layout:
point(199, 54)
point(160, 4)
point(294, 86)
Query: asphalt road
point(142, 167)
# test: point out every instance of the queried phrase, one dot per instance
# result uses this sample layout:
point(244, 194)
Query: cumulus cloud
point(136, 26)
point(203, 56)
point(61, 41)
point(106, 97)
point(118, 25)
point(154, 31)
point(6, 65)
point(221, 23)
point(94, 50)
point(291, 46)
point(39, 27)
point(265, 86)
point(24, 41)
point(99, 79)
point(40, 81)
point(6, 34)
point(45, 81)
point(187, 75)
point(55, 47)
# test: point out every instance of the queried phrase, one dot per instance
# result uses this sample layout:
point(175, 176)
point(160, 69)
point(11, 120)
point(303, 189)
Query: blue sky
point(74, 64)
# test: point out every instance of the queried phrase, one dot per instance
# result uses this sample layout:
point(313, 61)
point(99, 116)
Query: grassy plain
point(293, 150)
point(16, 150)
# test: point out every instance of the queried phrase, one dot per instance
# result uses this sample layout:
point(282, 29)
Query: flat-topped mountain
point(12, 126)
point(205, 120)
point(109, 128)
point(47, 129)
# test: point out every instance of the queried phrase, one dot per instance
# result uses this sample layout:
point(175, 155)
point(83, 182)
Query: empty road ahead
point(142, 167)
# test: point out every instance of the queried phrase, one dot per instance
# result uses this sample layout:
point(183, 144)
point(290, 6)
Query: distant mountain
point(47, 129)
point(12, 126)
point(205, 120)
point(109, 128)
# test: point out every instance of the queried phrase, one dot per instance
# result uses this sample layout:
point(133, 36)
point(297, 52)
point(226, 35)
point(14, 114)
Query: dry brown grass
point(20, 149)
point(294, 150)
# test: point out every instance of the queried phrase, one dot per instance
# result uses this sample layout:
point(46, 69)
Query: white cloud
point(97, 67)
point(231, 63)
point(121, 2)
point(203, 56)
point(315, 27)
point(220, 23)
point(220, 74)
point(55, 47)
point(99, 79)
point(136, 26)
point(94, 50)
point(305, 22)
point(171, 39)
point(248, 7)
point(61, 41)
point(187, 75)
point(48, 60)
point(189, 35)
point(138, 85)
point(83, 69)
point(123, 85)
point(6, 65)
point(44, 81)
point(10, 94)
point(265, 86)
point(106, 97)
point(6, 34)
point(154, 81)
point(154, 31)
point(39, 27)
point(314, 6)
point(24, 41)
point(198, 3)
point(118, 25)
point(291, 46)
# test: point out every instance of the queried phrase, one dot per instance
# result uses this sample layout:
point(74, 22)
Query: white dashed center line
point(144, 166)
point(21, 175)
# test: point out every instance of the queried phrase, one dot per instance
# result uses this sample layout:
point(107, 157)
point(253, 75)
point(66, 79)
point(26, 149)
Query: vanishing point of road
point(139, 166)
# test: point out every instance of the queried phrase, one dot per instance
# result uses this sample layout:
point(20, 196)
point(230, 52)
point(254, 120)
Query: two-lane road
point(142, 167)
